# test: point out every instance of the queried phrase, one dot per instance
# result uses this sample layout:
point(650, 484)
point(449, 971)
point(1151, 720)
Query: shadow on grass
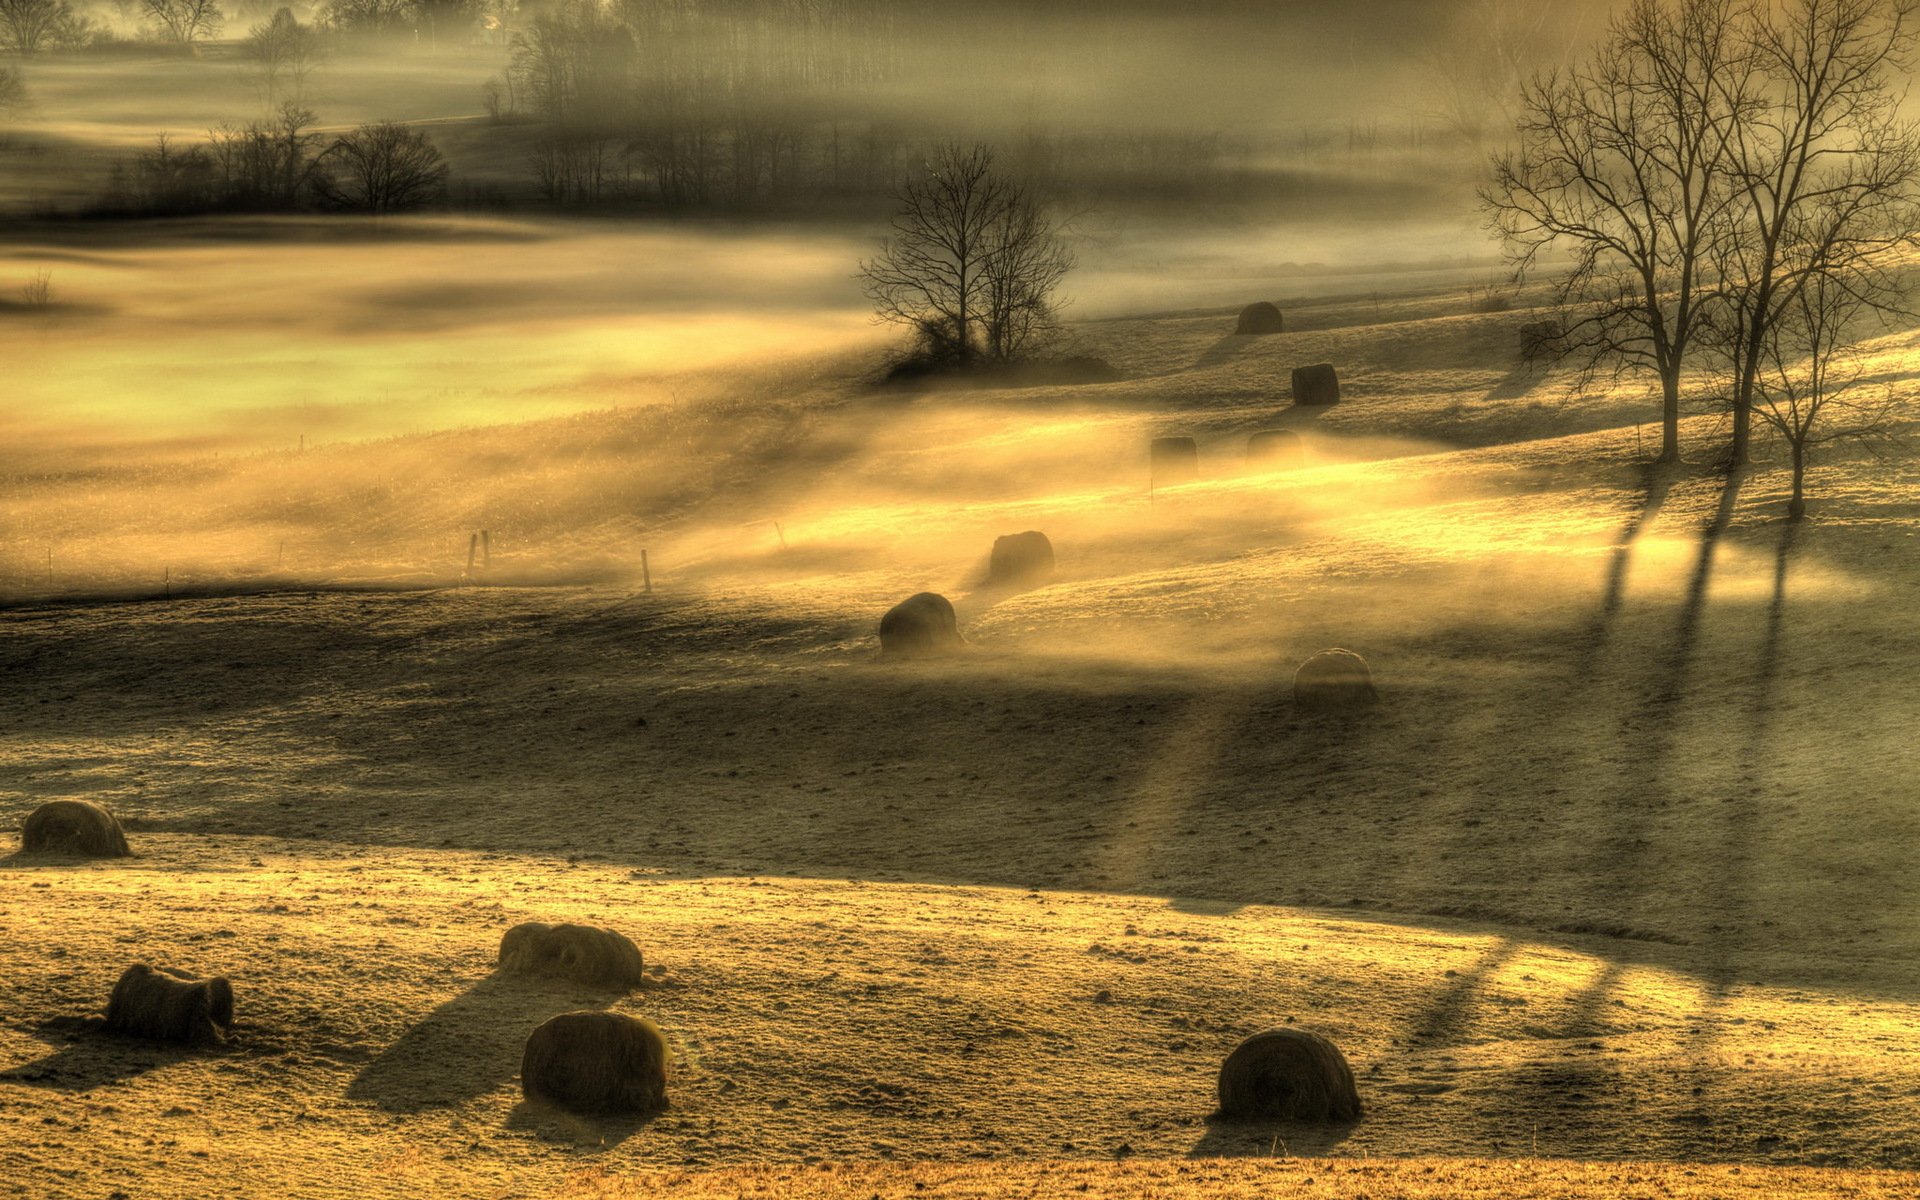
point(584, 1133)
point(468, 1046)
point(89, 1057)
point(1270, 1139)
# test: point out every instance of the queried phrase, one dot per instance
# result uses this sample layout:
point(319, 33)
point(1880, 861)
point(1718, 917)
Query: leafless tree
point(184, 21)
point(1811, 388)
point(284, 54)
point(382, 168)
point(1825, 171)
point(1477, 61)
point(972, 262)
point(28, 27)
point(266, 165)
point(13, 91)
point(1025, 266)
point(1623, 164)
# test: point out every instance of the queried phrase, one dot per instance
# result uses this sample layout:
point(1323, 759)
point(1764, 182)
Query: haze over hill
point(401, 565)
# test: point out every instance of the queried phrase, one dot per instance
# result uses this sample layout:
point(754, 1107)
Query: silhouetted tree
point(13, 91)
point(284, 53)
point(1825, 171)
point(382, 168)
point(267, 165)
point(972, 261)
point(28, 27)
point(1623, 162)
point(1809, 388)
point(184, 21)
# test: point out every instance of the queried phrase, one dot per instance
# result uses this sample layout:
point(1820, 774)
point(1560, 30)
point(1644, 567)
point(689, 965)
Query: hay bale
point(1276, 448)
point(77, 827)
point(596, 1062)
point(1334, 680)
point(1260, 317)
point(580, 953)
point(919, 625)
point(1542, 339)
point(1021, 558)
point(1316, 384)
point(171, 1005)
point(1173, 460)
point(1289, 1075)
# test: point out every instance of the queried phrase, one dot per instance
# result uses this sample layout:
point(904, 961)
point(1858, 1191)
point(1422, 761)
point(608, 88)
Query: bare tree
point(972, 262)
point(1478, 62)
point(1622, 163)
point(1811, 388)
point(184, 21)
point(13, 91)
point(267, 165)
point(382, 168)
point(1024, 268)
point(1825, 171)
point(28, 27)
point(284, 53)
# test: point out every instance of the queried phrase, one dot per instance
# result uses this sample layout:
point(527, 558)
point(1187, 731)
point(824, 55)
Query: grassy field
point(1618, 873)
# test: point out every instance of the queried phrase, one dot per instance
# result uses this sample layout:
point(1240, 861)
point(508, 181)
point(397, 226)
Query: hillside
point(1600, 880)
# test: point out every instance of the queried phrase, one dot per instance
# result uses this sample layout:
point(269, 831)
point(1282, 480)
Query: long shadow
point(89, 1057)
point(468, 1046)
point(1656, 480)
point(589, 1134)
point(1444, 1020)
point(1741, 809)
point(1270, 1139)
point(1516, 383)
point(1221, 351)
point(1651, 726)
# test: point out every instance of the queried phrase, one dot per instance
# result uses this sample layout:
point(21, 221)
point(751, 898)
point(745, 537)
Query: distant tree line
point(280, 164)
point(742, 102)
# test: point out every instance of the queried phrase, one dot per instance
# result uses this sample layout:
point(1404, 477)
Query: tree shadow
point(89, 1056)
point(1656, 480)
point(1270, 1139)
point(469, 1045)
point(588, 1134)
point(1444, 1020)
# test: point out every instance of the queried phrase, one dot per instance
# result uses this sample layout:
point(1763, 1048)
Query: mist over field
point(863, 598)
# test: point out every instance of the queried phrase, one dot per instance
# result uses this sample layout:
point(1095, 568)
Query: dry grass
point(1416, 1179)
point(1601, 878)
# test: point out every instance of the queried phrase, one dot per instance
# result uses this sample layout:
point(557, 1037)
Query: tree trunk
point(1797, 507)
point(1669, 417)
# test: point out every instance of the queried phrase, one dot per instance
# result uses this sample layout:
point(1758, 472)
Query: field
point(1603, 885)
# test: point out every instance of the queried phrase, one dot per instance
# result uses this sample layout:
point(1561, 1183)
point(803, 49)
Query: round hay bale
point(171, 1005)
point(1316, 384)
point(596, 1062)
point(1173, 460)
point(77, 827)
point(1288, 1075)
point(1334, 680)
point(1276, 448)
point(921, 624)
point(580, 953)
point(1259, 317)
point(1021, 558)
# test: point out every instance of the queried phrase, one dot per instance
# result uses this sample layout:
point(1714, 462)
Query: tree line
point(1738, 189)
point(280, 164)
